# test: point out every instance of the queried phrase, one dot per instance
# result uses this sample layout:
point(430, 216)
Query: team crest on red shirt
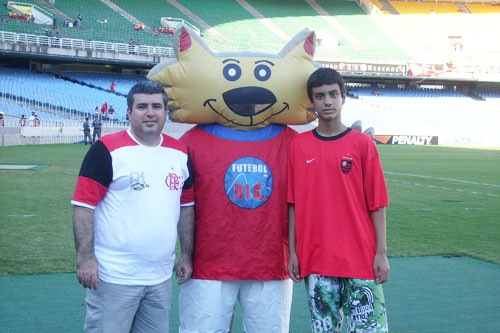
point(346, 163)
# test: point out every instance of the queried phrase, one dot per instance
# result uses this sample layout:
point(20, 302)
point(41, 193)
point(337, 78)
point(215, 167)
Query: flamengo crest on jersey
point(346, 163)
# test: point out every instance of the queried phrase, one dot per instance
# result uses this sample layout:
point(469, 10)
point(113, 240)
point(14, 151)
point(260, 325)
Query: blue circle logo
point(248, 182)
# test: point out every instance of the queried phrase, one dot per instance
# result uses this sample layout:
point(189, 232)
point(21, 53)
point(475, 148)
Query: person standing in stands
point(31, 120)
point(2, 121)
point(97, 126)
point(337, 222)
point(36, 121)
point(104, 111)
point(132, 199)
point(78, 21)
point(86, 131)
point(22, 121)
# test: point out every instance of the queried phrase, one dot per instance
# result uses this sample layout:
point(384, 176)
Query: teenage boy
point(337, 197)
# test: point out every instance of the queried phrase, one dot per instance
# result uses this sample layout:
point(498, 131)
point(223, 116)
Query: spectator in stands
point(36, 121)
point(130, 206)
point(66, 22)
point(22, 121)
point(54, 23)
point(2, 121)
point(357, 126)
point(96, 111)
point(78, 21)
point(31, 120)
point(86, 131)
point(97, 126)
point(104, 108)
point(139, 26)
point(13, 15)
point(170, 32)
point(111, 110)
point(112, 86)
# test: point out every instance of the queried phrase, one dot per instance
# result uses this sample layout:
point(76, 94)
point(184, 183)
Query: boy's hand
point(294, 268)
point(381, 268)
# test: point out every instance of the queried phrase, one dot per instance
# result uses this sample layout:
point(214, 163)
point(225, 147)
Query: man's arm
point(293, 260)
point(380, 263)
point(86, 262)
point(185, 229)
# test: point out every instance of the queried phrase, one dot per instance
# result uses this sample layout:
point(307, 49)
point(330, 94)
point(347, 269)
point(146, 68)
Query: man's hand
point(87, 272)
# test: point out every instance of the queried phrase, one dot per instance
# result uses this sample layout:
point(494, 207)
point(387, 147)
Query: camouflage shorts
point(360, 302)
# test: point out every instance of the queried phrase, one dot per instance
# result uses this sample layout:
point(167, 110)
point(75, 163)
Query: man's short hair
point(146, 87)
point(323, 76)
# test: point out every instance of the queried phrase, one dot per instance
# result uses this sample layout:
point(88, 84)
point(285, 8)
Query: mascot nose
point(249, 101)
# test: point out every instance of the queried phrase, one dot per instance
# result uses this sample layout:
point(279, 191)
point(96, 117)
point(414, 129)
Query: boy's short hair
point(323, 76)
point(148, 88)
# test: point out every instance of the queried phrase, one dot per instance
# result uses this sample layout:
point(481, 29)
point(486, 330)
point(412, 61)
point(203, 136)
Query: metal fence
point(80, 44)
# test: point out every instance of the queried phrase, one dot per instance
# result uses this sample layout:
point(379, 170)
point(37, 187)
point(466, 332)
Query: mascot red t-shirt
point(241, 218)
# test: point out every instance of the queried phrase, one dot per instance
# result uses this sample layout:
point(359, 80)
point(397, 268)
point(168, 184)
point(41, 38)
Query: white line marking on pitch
point(440, 178)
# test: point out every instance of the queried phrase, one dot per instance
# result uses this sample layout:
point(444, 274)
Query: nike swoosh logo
point(309, 161)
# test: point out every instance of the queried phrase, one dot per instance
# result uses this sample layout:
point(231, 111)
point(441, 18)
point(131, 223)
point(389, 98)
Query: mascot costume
point(242, 103)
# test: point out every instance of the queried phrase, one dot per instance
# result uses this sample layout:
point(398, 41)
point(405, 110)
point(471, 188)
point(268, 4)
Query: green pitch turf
point(444, 204)
point(424, 295)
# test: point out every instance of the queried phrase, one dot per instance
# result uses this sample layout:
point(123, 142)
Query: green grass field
point(444, 201)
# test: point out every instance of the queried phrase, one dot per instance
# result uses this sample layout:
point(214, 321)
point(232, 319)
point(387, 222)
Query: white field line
point(440, 178)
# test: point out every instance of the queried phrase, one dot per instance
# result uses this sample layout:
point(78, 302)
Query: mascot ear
point(241, 90)
point(178, 77)
point(298, 56)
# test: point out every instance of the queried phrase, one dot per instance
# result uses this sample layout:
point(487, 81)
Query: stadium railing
point(79, 44)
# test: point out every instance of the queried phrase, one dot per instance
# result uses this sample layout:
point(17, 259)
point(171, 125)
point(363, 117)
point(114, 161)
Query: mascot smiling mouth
point(247, 102)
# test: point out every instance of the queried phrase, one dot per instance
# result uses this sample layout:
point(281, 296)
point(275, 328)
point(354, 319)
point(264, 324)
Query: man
point(134, 192)
point(86, 131)
point(97, 125)
point(337, 221)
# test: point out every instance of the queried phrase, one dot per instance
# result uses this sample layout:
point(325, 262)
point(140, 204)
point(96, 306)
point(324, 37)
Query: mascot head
point(240, 90)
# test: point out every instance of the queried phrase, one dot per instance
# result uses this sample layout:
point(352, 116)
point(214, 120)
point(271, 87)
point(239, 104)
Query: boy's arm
point(380, 263)
point(293, 261)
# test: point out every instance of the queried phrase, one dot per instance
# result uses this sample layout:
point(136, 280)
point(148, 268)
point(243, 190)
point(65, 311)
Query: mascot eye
point(262, 72)
point(232, 72)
